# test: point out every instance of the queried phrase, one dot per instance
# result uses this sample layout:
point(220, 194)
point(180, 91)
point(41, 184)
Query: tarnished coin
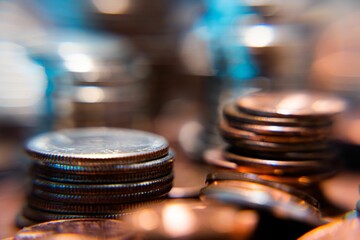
point(233, 114)
point(97, 144)
point(277, 147)
point(251, 164)
point(260, 196)
point(103, 199)
point(232, 134)
point(291, 104)
point(68, 208)
point(104, 189)
point(78, 229)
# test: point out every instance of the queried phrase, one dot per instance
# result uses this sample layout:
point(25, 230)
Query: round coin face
point(97, 144)
point(77, 229)
point(291, 104)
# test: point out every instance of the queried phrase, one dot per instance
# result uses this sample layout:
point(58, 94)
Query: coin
point(97, 144)
point(81, 228)
point(335, 230)
point(257, 195)
point(234, 114)
point(231, 134)
point(273, 167)
point(69, 208)
point(91, 177)
point(101, 167)
point(103, 199)
point(101, 189)
point(291, 104)
point(283, 130)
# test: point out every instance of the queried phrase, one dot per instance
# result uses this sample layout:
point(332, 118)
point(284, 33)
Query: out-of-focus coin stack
point(282, 136)
point(95, 173)
point(97, 80)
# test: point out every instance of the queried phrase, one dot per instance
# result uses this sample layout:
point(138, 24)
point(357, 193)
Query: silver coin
point(260, 196)
point(97, 144)
point(291, 104)
point(79, 228)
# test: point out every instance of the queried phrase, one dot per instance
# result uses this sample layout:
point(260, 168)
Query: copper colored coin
point(274, 167)
point(291, 104)
point(233, 114)
point(232, 134)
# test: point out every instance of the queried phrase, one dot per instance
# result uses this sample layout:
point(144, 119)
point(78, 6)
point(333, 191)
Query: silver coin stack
point(95, 173)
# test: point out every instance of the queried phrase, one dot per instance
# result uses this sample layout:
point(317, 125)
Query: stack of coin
point(282, 136)
point(95, 172)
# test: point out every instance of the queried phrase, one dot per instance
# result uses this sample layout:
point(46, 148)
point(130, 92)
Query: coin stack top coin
point(283, 136)
point(95, 172)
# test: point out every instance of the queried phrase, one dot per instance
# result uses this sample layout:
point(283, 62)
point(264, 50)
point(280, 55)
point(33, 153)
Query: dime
point(101, 167)
point(101, 189)
point(103, 199)
point(291, 104)
point(97, 144)
point(68, 208)
point(123, 177)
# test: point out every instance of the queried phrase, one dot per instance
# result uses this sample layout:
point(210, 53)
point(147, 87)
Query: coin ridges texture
point(89, 144)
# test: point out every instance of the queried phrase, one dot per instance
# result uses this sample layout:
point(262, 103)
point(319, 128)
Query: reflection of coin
point(258, 195)
point(233, 114)
point(102, 189)
point(232, 134)
point(87, 144)
point(103, 199)
point(291, 104)
point(81, 228)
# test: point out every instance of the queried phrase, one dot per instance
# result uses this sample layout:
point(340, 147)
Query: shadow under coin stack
point(282, 136)
point(95, 173)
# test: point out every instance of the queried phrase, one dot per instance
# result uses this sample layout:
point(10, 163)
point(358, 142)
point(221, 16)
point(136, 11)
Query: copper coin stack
point(95, 173)
point(281, 136)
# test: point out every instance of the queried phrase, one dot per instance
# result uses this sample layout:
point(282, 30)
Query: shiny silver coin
point(103, 198)
point(94, 144)
point(251, 177)
point(232, 134)
point(273, 167)
point(233, 114)
point(101, 189)
point(108, 166)
point(257, 195)
point(78, 229)
point(95, 177)
point(291, 104)
point(283, 130)
point(64, 208)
